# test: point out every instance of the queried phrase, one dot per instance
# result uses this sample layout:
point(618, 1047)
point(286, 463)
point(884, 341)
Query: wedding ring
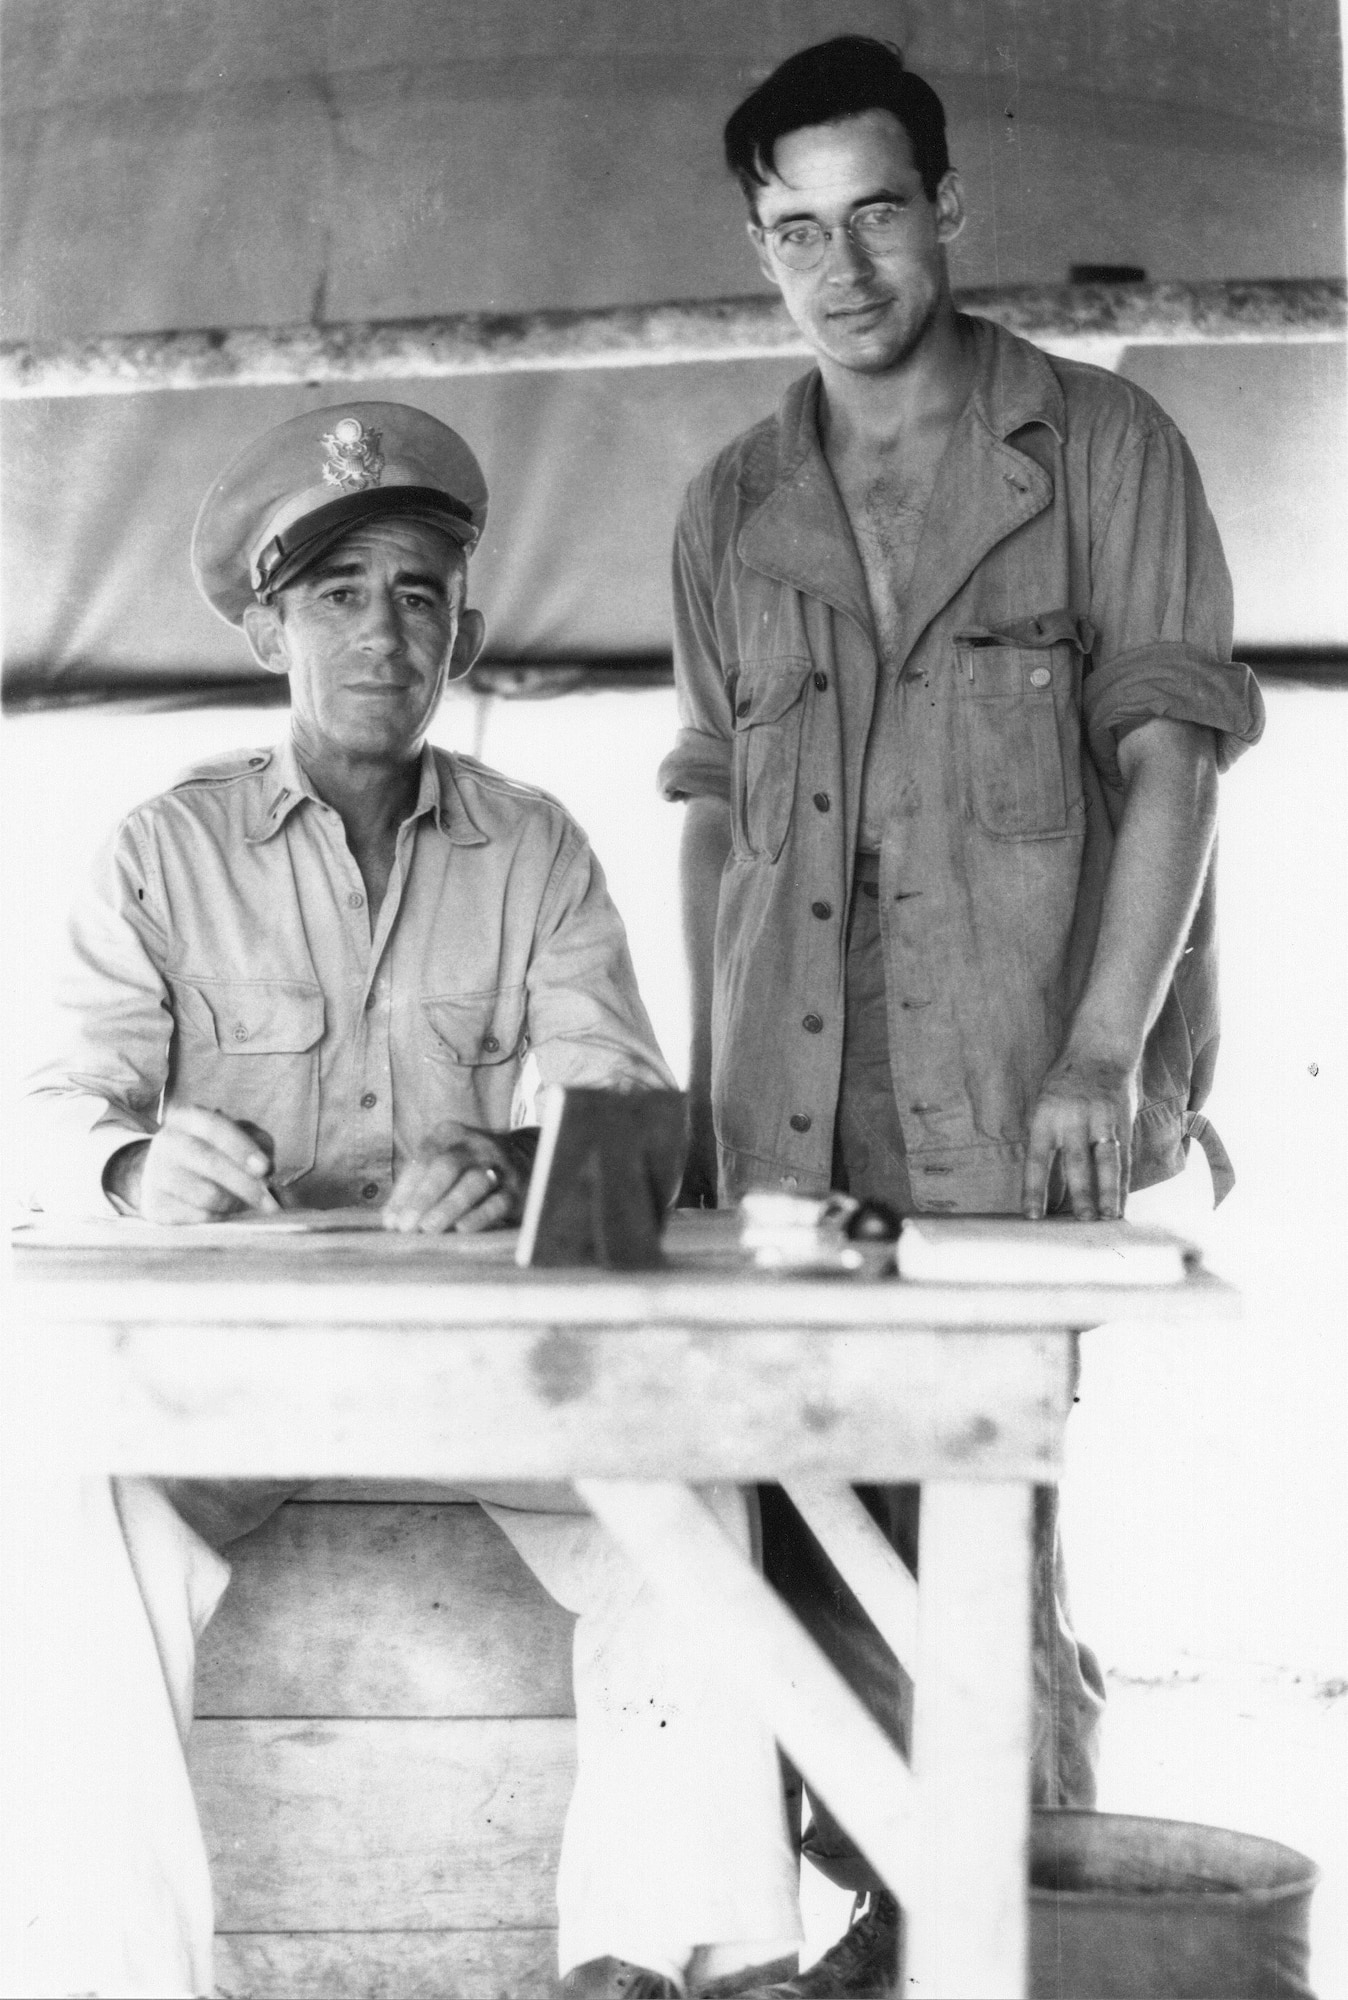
point(493, 1178)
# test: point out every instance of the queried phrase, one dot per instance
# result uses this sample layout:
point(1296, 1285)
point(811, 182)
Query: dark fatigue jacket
point(1069, 584)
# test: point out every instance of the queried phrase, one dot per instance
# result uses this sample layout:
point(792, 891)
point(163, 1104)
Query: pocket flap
point(1045, 628)
point(263, 1017)
point(766, 690)
point(476, 1027)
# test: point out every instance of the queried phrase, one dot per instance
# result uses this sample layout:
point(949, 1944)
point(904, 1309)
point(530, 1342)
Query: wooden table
point(380, 1356)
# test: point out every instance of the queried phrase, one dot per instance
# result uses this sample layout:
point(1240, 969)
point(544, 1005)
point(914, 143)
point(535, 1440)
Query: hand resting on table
point(462, 1179)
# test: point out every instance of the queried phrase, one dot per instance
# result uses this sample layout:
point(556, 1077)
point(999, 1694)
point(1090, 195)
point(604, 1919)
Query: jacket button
point(491, 1045)
point(743, 707)
point(1040, 678)
point(256, 763)
point(821, 909)
point(356, 900)
point(369, 1191)
point(821, 800)
point(798, 1122)
point(790, 1183)
point(812, 1024)
point(368, 1102)
point(241, 1034)
point(821, 682)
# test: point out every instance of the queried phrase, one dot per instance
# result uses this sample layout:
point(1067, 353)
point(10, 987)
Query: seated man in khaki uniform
point(311, 976)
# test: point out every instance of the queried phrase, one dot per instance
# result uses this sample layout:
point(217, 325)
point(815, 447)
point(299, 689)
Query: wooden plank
point(383, 1611)
point(387, 1965)
point(677, 331)
point(451, 1825)
point(971, 1743)
point(372, 1279)
point(670, 1533)
point(526, 1403)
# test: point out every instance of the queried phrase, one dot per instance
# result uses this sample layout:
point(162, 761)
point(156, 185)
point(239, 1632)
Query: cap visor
point(313, 537)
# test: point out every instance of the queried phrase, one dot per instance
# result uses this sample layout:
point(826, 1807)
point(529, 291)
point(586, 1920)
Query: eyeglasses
point(874, 229)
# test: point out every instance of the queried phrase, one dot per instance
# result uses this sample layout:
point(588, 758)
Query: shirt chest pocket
point(249, 1048)
point(475, 1030)
point(769, 700)
point(1019, 698)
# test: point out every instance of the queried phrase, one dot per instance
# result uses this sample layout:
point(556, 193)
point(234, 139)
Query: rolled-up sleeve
point(698, 766)
point(587, 1023)
point(1161, 606)
point(113, 1030)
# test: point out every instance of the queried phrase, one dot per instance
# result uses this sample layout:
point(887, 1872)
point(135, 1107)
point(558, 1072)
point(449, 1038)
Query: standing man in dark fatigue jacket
point(953, 655)
point(353, 941)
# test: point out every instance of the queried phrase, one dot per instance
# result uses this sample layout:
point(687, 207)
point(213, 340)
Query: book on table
point(1009, 1249)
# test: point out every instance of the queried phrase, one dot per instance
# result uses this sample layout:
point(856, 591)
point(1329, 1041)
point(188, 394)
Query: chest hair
point(886, 501)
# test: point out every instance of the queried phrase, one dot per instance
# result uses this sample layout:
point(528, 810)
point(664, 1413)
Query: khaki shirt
point(222, 956)
point(1069, 583)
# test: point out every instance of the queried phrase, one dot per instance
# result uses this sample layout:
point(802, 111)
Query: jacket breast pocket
point(473, 1030)
point(769, 698)
point(474, 1044)
point(249, 1048)
point(1022, 734)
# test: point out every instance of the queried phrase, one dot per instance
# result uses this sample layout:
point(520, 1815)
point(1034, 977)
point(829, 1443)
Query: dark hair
point(836, 79)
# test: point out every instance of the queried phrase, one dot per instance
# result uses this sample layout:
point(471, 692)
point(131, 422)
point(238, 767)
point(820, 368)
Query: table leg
point(971, 1742)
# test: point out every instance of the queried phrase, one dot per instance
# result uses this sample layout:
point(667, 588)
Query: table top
point(372, 1355)
point(218, 1274)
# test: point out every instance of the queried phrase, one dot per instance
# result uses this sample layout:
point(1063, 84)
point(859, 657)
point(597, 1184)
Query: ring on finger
point(493, 1177)
point(1096, 1143)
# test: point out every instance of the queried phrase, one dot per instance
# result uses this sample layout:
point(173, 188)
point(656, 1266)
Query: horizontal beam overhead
point(1092, 320)
point(31, 689)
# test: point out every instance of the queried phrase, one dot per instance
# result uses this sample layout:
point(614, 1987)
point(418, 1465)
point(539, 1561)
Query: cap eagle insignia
point(352, 459)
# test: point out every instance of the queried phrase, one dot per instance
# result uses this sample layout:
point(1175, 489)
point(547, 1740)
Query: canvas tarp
point(188, 163)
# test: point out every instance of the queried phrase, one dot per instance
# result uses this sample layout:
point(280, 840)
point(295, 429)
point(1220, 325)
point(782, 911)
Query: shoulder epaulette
point(225, 769)
point(492, 780)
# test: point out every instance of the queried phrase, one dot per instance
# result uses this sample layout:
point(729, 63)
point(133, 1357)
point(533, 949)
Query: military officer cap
point(292, 494)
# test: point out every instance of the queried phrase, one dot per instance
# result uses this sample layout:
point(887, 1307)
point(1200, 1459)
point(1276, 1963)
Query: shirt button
point(355, 900)
point(821, 909)
point(798, 1122)
point(743, 707)
point(241, 1034)
point(790, 1183)
point(491, 1045)
point(821, 800)
point(821, 682)
point(368, 1102)
point(369, 1191)
point(812, 1024)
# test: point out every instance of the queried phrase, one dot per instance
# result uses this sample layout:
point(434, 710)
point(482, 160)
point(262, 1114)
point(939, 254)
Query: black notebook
point(607, 1168)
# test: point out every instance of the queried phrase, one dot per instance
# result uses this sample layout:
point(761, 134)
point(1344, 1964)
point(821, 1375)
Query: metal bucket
point(1126, 1909)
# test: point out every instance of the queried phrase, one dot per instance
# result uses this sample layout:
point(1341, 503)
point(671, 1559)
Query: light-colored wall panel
point(383, 1610)
point(369, 1826)
point(388, 1965)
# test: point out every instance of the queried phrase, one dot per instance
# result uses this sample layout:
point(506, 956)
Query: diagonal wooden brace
point(863, 1558)
point(673, 1538)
